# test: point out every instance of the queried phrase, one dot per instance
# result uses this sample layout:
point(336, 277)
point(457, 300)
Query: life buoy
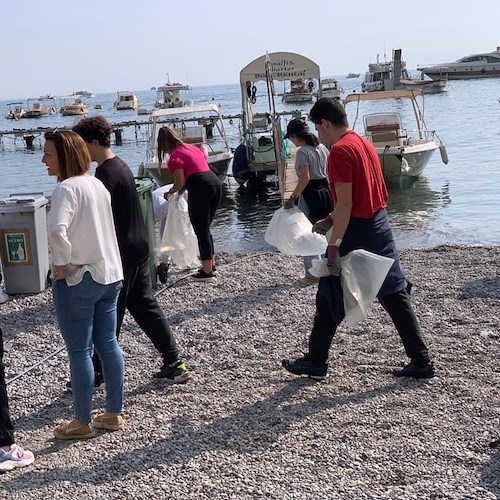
point(310, 84)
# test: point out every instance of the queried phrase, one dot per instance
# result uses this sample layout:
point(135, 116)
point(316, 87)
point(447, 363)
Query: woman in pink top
point(190, 169)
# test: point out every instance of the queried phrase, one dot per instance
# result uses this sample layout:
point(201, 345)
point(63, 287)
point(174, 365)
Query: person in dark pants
point(12, 456)
point(312, 190)
point(188, 164)
point(136, 294)
point(359, 221)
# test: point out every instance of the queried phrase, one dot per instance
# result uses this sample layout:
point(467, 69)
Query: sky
point(57, 47)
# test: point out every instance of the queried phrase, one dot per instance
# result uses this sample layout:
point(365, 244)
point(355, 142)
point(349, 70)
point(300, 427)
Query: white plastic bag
point(178, 239)
point(291, 233)
point(160, 204)
point(362, 275)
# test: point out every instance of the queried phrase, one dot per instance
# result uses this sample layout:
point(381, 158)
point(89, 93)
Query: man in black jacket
point(136, 294)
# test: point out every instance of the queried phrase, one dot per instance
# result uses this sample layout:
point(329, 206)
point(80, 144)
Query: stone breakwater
point(244, 428)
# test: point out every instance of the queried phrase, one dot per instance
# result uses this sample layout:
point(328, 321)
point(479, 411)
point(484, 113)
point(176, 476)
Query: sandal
point(82, 431)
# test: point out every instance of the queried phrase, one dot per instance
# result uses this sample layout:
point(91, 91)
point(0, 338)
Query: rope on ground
point(161, 290)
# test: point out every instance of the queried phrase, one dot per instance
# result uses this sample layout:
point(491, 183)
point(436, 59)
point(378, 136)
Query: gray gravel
point(242, 427)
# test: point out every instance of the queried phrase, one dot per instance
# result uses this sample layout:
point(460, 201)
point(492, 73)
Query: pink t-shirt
point(189, 158)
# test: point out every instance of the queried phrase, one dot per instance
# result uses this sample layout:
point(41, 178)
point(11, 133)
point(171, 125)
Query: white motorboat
point(262, 152)
point(330, 88)
point(299, 91)
point(40, 107)
point(173, 95)
point(76, 108)
point(199, 125)
point(16, 111)
point(404, 152)
point(352, 75)
point(126, 99)
point(473, 66)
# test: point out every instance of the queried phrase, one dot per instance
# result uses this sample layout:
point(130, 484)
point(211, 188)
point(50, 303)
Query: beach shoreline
point(242, 427)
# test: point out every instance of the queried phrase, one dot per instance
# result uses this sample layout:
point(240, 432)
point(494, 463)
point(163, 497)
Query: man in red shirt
point(359, 221)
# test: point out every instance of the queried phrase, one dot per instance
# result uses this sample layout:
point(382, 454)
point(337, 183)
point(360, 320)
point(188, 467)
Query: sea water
point(458, 203)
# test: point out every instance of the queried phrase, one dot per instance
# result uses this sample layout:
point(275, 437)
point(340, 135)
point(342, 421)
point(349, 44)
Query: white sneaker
point(3, 296)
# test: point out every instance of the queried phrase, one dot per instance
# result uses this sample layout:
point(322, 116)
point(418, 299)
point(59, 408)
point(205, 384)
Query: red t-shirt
point(191, 159)
point(354, 160)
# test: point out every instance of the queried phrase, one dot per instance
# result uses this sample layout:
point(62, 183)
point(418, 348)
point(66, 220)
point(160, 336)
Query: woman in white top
point(312, 190)
point(87, 274)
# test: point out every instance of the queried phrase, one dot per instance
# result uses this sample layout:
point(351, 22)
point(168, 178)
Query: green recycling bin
point(145, 186)
point(23, 242)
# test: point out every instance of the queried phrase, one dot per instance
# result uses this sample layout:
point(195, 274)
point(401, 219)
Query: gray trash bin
point(23, 242)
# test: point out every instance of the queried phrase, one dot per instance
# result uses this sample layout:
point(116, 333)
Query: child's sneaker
point(16, 457)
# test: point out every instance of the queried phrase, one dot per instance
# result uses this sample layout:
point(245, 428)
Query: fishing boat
point(199, 125)
point(330, 88)
point(75, 108)
point(352, 75)
point(126, 99)
point(173, 95)
point(16, 111)
point(40, 107)
point(469, 67)
point(299, 91)
point(262, 151)
point(404, 151)
point(393, 75)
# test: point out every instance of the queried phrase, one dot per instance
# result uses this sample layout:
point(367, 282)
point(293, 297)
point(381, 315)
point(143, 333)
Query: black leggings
point(205, 194)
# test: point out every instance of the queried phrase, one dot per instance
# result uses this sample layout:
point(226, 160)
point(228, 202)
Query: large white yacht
point(473, 66)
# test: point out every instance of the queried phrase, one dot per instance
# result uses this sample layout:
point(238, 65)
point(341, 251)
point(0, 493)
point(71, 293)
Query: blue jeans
point(86, 314)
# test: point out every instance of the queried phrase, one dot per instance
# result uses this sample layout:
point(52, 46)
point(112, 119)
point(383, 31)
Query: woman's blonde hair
point(167, 141)
point(72, 153)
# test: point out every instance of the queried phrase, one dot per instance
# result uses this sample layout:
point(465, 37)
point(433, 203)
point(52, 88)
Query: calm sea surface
point(455, 203)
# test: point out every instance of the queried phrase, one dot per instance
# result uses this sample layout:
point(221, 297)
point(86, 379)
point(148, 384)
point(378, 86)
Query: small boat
point(98, 106)
point(152, 88)
point(299, 91)
point(426, 85)
point(473, 66)
point(330, 88)
point(126, 99)
point(173, 95)
point(16, 111)
point(145, 111)
point(404, 151)
point(40, 107)
point(199, 125)
point(75, 108)
point(352, 75)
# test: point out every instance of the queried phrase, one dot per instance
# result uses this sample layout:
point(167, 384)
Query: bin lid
point(23, 202)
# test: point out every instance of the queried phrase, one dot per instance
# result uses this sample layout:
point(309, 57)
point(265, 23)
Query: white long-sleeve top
point(81, 230)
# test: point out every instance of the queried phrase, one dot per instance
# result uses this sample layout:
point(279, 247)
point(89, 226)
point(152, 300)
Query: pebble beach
point(244, 428)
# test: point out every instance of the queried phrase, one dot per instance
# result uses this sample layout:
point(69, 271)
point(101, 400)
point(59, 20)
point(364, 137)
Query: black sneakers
point(420, 372)
point(304, 366)
point(98, 382)
point(201, 275)
point(177, 374)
